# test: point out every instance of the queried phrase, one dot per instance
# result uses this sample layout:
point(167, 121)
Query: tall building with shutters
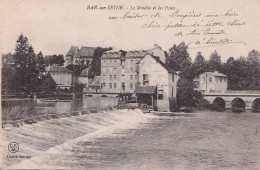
point(119, 68)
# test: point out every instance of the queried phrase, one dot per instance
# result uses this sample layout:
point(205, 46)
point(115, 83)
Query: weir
point(57, 136)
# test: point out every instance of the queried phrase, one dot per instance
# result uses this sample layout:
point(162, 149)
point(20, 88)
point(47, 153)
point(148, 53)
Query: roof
point(84, 73)
point(215, 73)
point(161, 63)
point(130, 53)
point(73, 50)
point(145, 89)
point(96, 81)
point(87, 51)
point(58, 69)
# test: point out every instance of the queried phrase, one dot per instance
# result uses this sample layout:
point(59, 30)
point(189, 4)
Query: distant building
point(119, 68)
point(87, 54)
point(61, 75)
point(157, 84)
point(213, 82)
point(82, 56)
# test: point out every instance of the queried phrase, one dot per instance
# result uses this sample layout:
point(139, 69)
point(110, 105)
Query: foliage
point(8, 73)
point(214, 63)
point(54, 60)
point(179, 59)
point(40, 62)
point(185, 93)
point(47, 84)
point(243, 73)
point(26, 72)
point(75, 69)
point(96, 62)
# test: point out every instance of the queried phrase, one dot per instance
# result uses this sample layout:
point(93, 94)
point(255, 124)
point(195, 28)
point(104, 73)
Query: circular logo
point(13, 147)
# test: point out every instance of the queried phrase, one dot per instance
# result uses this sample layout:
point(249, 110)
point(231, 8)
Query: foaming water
point(52, 139)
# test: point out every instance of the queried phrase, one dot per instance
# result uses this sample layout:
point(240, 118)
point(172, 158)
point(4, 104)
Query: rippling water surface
point(129, 139)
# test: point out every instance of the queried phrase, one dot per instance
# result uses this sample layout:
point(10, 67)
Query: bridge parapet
point(243, 91)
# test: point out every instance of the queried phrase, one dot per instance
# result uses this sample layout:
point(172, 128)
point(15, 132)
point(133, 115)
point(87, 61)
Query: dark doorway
point(256, 105)
point(219, 104)
point(238, 105)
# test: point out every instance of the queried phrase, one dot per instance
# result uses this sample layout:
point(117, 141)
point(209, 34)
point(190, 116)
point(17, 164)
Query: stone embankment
point(35, 119)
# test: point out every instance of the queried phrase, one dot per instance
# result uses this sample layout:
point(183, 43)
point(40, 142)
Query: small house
point(61, 75)
point(157, 84)
point(213, 82)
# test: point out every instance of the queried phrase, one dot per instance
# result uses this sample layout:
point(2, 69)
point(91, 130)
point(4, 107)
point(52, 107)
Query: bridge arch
point(256, 104)
point(238, 105)
point(219, 104)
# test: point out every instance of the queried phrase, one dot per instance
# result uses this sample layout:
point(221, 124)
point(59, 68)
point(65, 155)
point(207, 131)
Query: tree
point(40, 62)
point(214, 63)
point(185, 93)
point(47, 84)
point(179, 58)
point(26, 72)
point(230, 60)
point(199, 66)
point(96, 62)
point(8, 73)
point(253, 56)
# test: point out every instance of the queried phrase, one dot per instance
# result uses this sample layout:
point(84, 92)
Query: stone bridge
point(242, 99)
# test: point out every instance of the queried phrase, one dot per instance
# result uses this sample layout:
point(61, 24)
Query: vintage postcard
point(138, 84)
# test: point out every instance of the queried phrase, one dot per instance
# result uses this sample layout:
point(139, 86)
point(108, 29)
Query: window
point(114, 69)
point(131, 69)
point(115, 77)
point(104, 85)
point(131, 61)
point(172, 77)
point(131, 77)
point(145, 79)
point(110, 77)
point(210, 79)
point(123, 86)
point(203, 79)
point(104, 63)
point(131, 85)
point(104, 76)
point(135, 77)
point(110, 85)
point(160, 94)
point(114, 85)
point(220, 79)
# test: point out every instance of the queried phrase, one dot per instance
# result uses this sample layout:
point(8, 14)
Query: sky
point(53, 26)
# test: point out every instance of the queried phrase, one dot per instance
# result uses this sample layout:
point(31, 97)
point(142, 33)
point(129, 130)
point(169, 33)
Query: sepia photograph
point(138, 85)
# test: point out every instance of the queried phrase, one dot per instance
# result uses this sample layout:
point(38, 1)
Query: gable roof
point(84, 73)
point(145, 89)
point(215, 73)
point(87, 51)
point(58, 69)
point(96, 81)
point(160, 62)
point(73, 50)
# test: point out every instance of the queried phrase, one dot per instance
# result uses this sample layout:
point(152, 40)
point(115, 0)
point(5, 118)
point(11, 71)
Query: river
point(129, 139)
